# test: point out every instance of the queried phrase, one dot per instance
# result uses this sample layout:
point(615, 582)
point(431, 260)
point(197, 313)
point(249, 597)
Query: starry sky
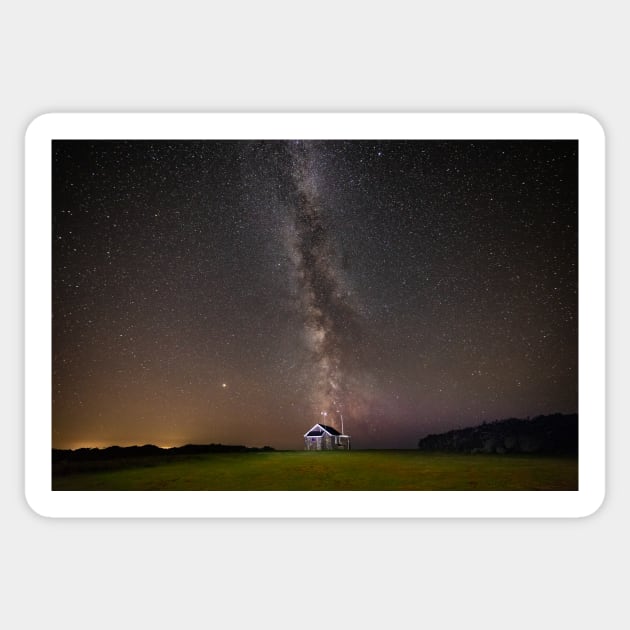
point(235, 291)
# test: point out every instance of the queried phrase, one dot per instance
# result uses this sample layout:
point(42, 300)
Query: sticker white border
point(429, 126)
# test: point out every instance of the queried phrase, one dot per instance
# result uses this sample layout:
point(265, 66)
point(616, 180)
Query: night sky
point(232, 291)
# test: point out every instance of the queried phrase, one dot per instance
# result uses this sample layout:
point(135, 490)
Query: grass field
point(335, 470)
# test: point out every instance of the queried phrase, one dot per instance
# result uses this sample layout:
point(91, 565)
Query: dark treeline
point(88, 459)
point(555, 434)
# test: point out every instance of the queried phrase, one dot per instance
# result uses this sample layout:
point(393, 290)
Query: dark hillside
point(555, 434)
point(89, 459)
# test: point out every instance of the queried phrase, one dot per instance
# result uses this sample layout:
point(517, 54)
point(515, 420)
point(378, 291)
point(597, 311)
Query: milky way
point(331, 322)
point(233, 291)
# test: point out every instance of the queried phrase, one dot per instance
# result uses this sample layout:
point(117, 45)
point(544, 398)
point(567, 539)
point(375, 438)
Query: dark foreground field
point(355, 470)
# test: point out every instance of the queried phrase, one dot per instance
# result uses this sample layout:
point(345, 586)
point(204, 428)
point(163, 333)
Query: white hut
point(322, 437)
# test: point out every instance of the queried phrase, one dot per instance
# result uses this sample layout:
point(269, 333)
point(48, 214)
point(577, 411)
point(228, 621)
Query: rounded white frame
point(214, 126)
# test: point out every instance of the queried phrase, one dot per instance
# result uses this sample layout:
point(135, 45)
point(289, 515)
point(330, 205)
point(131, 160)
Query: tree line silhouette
point(555, 434)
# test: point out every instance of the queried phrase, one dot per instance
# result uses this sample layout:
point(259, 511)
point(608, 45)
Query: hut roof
point(320, 429)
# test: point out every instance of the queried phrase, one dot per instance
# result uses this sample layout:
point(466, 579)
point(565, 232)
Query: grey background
point(325, 56)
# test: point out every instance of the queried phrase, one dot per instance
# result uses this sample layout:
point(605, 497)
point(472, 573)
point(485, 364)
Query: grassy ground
point(355, 470)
